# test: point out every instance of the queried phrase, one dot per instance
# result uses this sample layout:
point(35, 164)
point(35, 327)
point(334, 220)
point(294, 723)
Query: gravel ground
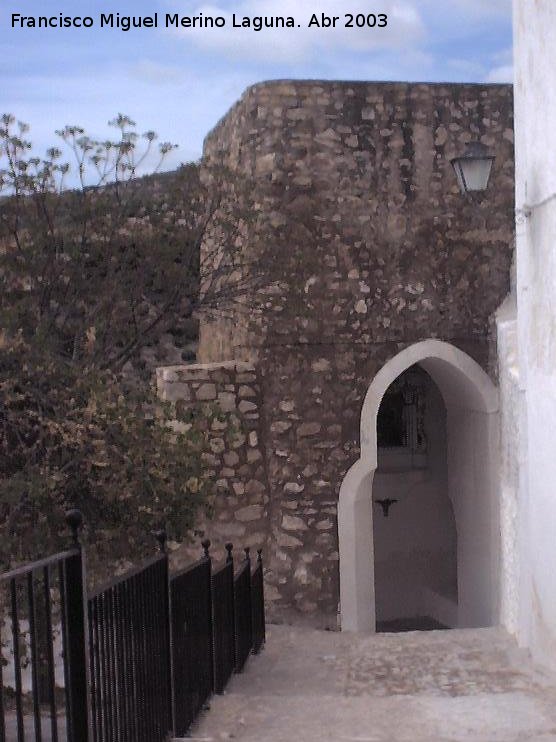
point(434, 686)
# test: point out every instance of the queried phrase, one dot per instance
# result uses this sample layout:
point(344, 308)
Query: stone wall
point(365, 235)
point(365, 246)
point(235, 459)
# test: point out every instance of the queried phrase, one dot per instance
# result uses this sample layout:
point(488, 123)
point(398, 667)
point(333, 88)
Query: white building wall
point(510, 402)
point(535, 111)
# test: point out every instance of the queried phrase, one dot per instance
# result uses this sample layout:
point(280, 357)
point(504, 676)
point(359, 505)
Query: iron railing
point(257, 604)
point(130, 656)
point(140, 656)
point(192, 639)
point(223, 617)
point(243, 613)
point(37, 593)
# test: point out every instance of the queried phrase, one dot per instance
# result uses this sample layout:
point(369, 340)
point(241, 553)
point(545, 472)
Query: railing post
point(206, 555)
point(161, 536)
point(230, 560)
point(75, 600)
point(257, 598)
point(247, 551)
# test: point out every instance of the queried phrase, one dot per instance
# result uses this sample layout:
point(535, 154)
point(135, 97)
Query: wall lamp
point(473, 167)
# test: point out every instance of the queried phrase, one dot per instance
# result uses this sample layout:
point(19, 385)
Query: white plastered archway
point(472, 405)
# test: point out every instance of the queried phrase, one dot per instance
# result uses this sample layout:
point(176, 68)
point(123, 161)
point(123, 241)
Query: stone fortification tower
point(363, 248)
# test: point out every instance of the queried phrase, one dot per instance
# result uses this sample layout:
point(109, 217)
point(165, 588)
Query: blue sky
point(180, 83)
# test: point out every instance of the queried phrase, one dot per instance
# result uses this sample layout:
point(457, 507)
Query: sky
point(180, 82)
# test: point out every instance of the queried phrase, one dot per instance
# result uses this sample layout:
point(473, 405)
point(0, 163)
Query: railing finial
point(206, 546)
point(161, 536)
point(74, 520)
point(259, 555)
point(247, 550)
point(229, 548)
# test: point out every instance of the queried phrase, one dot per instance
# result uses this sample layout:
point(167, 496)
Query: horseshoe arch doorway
point(470, 400)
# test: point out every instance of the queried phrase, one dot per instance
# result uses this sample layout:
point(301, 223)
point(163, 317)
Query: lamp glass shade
point(473, 168)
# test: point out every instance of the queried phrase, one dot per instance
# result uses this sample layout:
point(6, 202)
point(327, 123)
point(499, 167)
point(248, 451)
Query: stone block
point(293, 523)
point(293, 488)
point(227, 401)
point(228, 530)
point(179, 427)
point(286, 541)
point(322, 364)
point(249, 513)
point(231, 458)
point(217, 445)
point(361, 307)
point(237, 441)
point(254, 541)
point(308, 429)
point(172, 392)
point(245, 378)
point(206, 392)
point(246, 406)
point(324, 525)
point(280, 426)
point(253, 486)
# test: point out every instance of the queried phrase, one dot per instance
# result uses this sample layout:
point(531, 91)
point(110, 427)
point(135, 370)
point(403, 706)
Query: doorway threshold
point(417, 623)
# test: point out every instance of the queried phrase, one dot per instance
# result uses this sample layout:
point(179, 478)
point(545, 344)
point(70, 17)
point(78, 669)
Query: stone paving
point(437, 686)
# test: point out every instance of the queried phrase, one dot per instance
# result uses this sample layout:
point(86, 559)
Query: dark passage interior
point(415, 542)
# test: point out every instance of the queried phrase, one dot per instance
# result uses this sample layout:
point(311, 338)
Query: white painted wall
point(510, 434)
point(535, 112)
point(474, 489)
point(7, 655)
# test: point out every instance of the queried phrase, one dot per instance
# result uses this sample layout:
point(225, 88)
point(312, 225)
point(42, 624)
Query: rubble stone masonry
point(363, 245)
point(234, 459)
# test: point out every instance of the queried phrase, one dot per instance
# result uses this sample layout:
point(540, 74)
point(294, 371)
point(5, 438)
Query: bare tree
point(95, 263)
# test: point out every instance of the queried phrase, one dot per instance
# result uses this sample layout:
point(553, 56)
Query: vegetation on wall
point(90, 277)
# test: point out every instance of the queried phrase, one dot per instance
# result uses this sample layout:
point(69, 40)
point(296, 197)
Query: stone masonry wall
point(235, 459)
point(367, 246)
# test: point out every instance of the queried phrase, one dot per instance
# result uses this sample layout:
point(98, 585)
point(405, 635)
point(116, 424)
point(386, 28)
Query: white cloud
point(291, 46)
point(505, 73)
point(484, 8)
point(181, 111)
point(467, 67)
point(154, 72)
point(502, 67)
point(467, 11)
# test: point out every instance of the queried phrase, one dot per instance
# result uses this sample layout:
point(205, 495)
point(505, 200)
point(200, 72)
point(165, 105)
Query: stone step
point(427, 685)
